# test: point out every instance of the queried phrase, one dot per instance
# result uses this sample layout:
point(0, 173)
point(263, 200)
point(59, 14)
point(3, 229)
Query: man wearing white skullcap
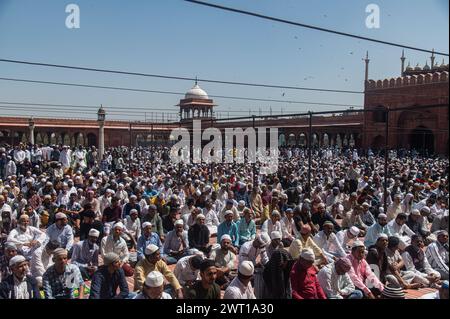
point(132, 204)
point(19, 285)
point(304, 282)
point(85, 254)
point(151, 262)
point(153, 287)
point(225, 259)
point(273, 223)
point(61, 232)
point(275, 243)
point(114, 243)
point(148, 237)
point(133, 226)
point(361, 273)
point(55, 280)
point(346, 237)
point(198, 235)
point(241, 287)
point(327, 240)
point(257, 247)
point(229, 227)
point(176, 244)
point(380, 227)
point(26, 238)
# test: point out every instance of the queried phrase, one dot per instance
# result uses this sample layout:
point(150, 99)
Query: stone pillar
point(101, 140)
point(32, 134)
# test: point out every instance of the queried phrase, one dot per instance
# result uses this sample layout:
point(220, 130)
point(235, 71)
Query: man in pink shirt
point(304, 282)
point(361, 274)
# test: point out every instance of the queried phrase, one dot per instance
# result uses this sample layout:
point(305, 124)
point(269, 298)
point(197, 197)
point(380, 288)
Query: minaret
point(403, 62)
point(366, 60)
point(432, 59)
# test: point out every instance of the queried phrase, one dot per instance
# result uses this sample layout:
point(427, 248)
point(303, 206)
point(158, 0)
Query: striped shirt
point(437, 255)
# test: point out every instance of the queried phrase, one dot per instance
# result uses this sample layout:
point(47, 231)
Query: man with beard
point(85, 254)
point(361, 274)
point(206, 288)
point(88, 222)
point(374, 231)
point(437, 254)
point(27, 238)
point(416, 261)
point(19, 285)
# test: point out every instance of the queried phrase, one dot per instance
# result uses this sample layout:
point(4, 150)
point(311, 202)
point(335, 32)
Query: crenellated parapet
point(408, 80)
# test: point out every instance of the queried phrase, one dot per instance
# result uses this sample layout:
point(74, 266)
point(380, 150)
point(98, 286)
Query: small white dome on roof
point(196, 93)
point(417, 68)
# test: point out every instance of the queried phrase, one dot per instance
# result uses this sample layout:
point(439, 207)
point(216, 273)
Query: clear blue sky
point(178, 38)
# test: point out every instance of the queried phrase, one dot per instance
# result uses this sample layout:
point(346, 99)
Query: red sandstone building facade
point(408, 128)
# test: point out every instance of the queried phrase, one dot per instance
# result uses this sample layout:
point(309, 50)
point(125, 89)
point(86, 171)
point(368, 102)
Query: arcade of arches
point(352, 139)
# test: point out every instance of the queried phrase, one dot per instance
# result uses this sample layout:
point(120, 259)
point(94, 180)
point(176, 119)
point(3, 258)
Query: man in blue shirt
point(246, 227)
point(148, 237)
point(108, 278)
point(230, 228)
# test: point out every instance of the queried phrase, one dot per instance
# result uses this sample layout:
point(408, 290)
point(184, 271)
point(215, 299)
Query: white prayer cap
point(382, 215)
point(366, 204)
point(228, 212)
point(179, 222)
point(425, 209)
point(94, 232)
point(10, 245)
point(415, 212)
point(154, 279)
point(200, 216)
point(246, 268)
point(60, 216)
point(384, 236)
point(151, 249)
point(263, 238)
point(381, 210)
point(198, 192)
point(133, 197)
point(358, 243)
point(308, 254)
point(354, 230)
point(276, 213)
point(16, 260)
point(225, 237)
point(119, 224)
point(133, 211)
point(146, 224)
point(275, 235)
point(241, 203)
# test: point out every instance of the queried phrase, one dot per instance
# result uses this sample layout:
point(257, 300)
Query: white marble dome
point(196, 93)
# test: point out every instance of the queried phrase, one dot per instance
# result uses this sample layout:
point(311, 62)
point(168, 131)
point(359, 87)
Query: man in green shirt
point(206, 288)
